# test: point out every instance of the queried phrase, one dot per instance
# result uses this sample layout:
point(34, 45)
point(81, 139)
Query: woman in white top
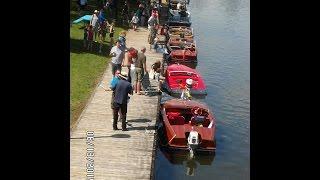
point(94, 23)
point(134, 22)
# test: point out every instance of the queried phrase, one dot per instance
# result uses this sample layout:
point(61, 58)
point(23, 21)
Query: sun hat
point(123, 75)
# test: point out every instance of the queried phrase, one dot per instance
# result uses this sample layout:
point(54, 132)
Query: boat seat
point(196, 120)
point(176, 120)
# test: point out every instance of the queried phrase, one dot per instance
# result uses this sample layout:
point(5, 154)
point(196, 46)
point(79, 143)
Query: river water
point(222, 33)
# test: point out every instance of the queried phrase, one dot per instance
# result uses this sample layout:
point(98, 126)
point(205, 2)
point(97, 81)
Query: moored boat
point(179, 18)
point(176, 41)
point(180, 31)
point(181, 44)
point(176, 76)
point(188, 125)
point(185, 56)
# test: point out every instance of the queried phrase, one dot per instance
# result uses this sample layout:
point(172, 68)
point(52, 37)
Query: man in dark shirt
point(140, 69)
point(121, 91)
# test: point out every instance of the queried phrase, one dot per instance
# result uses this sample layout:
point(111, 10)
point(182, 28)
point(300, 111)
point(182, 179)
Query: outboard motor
point(193, 142)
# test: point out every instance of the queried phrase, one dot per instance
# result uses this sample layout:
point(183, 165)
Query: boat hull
point(176, 131)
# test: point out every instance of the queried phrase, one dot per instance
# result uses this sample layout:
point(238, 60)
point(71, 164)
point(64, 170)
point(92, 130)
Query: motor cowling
point(193, 142)
point(193, 139)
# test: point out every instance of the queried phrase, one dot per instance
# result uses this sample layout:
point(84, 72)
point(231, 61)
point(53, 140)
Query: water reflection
point(179, 157)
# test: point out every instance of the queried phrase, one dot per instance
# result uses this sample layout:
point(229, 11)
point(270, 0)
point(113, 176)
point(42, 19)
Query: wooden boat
point(176, 76)
point(181, 44)
point(176, 41)
point(179, 18)
point(173, 3)
point(180, 32)
point(186, 55)
point(188, 125)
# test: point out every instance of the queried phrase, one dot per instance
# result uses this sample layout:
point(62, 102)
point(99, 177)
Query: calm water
point(222, 29)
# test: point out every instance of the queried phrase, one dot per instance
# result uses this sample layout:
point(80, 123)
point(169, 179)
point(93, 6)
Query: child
point(111, 31)
point(134, 22)
point(85, 36)
point(90, 38)
point(101, 35)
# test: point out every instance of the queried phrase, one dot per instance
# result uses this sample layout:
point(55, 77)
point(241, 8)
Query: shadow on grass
point(76, 46)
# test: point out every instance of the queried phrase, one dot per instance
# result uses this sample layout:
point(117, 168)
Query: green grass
point(86, 67)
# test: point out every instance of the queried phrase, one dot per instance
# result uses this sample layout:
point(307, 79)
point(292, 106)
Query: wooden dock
point(117, 154)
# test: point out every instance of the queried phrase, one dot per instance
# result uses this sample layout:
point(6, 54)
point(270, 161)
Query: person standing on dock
point(134, 21)
point(114, 81)
point(140, 69)
point(130, 57)
point(117, 57)
point(121, 97)
point(152, 24)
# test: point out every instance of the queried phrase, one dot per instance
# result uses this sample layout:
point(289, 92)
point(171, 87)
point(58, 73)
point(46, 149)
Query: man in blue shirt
point(121, 91)
point(115, 79)
point(101, 17)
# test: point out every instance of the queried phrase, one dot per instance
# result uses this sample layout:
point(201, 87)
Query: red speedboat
point(188, 125)
point(176, 76)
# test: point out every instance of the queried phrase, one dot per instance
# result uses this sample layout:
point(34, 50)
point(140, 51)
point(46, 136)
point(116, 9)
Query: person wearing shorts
point(117, 57)
point(140, 68)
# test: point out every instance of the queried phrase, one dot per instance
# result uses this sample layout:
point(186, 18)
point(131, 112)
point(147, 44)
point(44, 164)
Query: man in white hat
point(120, 102)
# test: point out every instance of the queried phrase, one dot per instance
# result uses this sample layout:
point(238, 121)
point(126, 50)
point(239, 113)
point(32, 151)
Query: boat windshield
point(183, 73)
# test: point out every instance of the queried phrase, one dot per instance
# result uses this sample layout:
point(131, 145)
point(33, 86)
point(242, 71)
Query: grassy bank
point(86, 67)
